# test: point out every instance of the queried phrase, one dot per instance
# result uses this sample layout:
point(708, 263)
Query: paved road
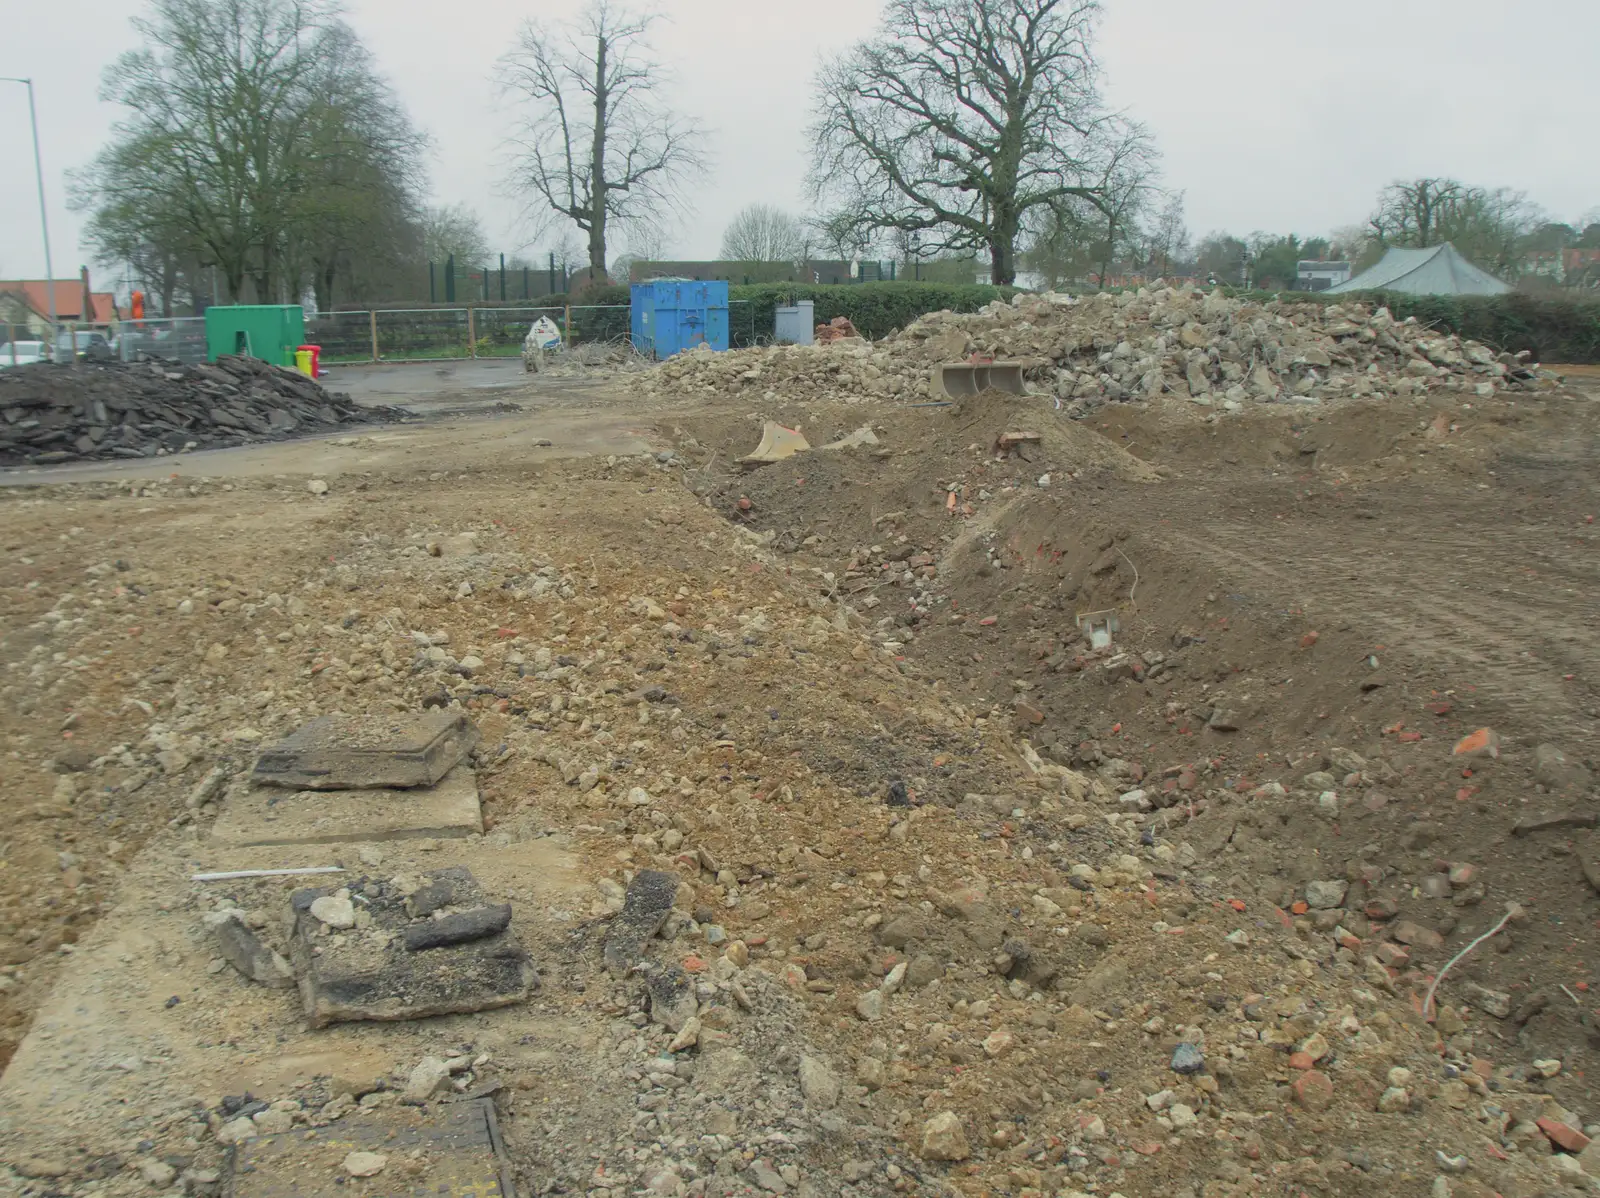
point(412, 383)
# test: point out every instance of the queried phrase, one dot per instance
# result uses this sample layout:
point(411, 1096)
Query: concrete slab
point(342, 752)
point(453, 1151)
point(268, 815)
point(383, 969)
point(72, 1083)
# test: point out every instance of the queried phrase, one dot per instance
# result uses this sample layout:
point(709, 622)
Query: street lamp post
point(44, 215)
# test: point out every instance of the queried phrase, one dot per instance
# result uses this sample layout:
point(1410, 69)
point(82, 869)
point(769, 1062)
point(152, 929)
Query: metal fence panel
point(501, 331)
point(423, 333)
point(343, 336)
point(178, 339)
point(597, 322)
point(742, 325)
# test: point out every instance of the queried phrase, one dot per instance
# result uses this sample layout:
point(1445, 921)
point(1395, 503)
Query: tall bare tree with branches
point(966, 121)
point(594, 144)
point(1415, 213)
point(762, 233)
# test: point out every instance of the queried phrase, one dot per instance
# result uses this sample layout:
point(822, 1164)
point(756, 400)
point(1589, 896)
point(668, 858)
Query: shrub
point(1552, 329)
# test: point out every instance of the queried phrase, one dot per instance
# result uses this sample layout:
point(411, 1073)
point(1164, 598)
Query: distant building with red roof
point(26, 302)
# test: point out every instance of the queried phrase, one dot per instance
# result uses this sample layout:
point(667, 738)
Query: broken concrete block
point(429, 1077)
point(644, 909)
point(241, 948)
point(400, 968)
point(338, 752)
point(265, 815)
point(335, 910)
point(460, 928)
point(1554, 770)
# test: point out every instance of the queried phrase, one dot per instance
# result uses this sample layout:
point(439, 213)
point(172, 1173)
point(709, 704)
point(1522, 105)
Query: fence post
point(373, 315)
point(472, 333)
point(566, 329)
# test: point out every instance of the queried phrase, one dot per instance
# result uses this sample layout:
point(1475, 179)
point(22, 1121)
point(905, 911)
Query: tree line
point(261, 152)
point(262, 155)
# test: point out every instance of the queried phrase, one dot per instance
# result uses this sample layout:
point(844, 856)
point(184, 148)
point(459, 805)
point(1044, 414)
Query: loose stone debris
point(1163, 345)
point(959, 898)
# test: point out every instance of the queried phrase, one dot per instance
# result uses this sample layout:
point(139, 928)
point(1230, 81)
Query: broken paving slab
point(644, 909)
point(457, 1148)
point(370, 752)
point(392, 965)
point(243, 949)
point(262, 816)
point(777, 443)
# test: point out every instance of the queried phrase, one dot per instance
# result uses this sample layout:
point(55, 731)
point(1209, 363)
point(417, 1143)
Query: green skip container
point(271, 332)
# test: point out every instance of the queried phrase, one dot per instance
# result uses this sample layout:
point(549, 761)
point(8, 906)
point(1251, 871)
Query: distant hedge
point(1552, 329)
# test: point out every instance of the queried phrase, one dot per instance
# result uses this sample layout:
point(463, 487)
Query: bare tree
point(649, 241)
point(1356, 244)
point(1064, 249)
point(454, 230)
point(1125, 190)
point(1415, 213)
point(1488, 225)
point(595, 144)
point(843, 235)
point(1168, 238)
point(966, 121)
point(762, 233)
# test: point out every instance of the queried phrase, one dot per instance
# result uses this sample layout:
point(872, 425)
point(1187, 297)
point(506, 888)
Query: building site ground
point(967, 903)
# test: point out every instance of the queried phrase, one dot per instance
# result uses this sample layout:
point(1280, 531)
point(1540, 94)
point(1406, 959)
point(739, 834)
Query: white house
point(1319, 276)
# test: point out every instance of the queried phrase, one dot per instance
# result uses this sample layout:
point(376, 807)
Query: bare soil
point(856, 763)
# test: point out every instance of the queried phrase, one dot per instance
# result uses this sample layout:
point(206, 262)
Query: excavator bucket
point(777, 443)
point(962, 380)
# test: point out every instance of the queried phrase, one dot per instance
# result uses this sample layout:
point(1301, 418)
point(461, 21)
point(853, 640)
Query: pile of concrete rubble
point(52, 413)
point(1179, 346)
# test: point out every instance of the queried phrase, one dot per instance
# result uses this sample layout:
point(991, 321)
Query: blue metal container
point(672, 315)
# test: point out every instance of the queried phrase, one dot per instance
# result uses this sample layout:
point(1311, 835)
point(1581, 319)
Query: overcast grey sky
point(1280, 115)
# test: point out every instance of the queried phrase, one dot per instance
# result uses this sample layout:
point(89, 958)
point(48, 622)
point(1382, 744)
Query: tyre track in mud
point(1508, 610)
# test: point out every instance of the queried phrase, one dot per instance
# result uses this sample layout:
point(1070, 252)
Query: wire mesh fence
point(742, 325)
point(501, 331)
point(178, 339)
point(343, 336)
point(425, 334)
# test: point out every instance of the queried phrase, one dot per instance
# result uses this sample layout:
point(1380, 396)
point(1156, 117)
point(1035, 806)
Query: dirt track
point(1447, 571)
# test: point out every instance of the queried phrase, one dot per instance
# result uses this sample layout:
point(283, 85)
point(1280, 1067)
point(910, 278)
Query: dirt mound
point(1216, 353)
point(928, 470)
point(51, 413)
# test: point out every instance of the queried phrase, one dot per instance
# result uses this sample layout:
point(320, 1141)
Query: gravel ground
point(932, 942)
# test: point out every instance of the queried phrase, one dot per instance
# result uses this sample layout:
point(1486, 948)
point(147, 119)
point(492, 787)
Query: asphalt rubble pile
point(149, 408)
point(1169, 345)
